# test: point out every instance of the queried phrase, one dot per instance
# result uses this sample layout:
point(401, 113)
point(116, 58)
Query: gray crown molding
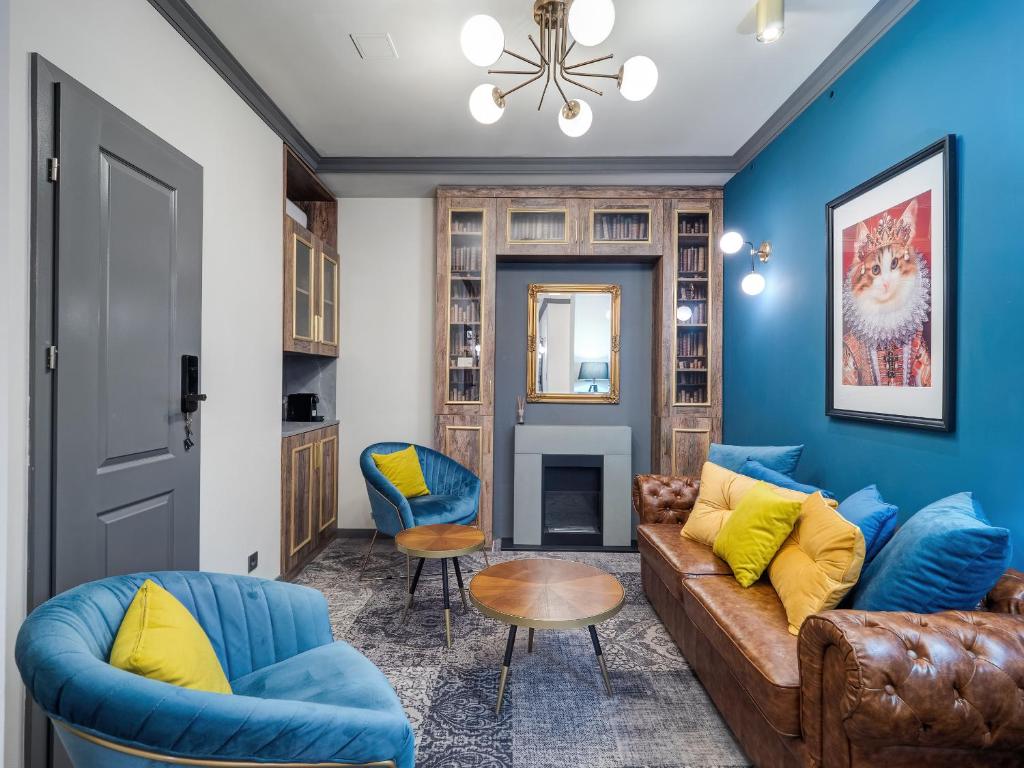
point(524, 165)
point(869, 30)
point(195, 31)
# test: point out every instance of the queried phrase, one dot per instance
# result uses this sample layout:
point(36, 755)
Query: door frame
point(43, 243)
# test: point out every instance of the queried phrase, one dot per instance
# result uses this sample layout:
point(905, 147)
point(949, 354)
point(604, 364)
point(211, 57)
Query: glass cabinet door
point(623, 227)
point(302, 290)
point(693, 241)
point(538, 226)
point(329, 299)
point(467, 233)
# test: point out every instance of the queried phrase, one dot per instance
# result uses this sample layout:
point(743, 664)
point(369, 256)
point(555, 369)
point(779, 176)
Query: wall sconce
point(771, 20)
point(753, 283)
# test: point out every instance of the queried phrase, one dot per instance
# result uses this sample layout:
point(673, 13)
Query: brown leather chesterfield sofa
point(886, 690)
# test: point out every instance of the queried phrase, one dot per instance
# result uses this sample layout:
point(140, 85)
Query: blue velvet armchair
point(454, 492)
point(299, 697)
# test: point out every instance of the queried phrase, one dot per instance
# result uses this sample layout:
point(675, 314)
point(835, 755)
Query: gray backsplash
point(307, 373)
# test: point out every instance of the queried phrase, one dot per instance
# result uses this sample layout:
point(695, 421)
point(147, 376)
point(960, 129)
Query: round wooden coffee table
point(546, 594)
point(442, 542)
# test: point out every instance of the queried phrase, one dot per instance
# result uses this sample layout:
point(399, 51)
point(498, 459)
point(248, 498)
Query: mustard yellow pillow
point(720, 491)
point(161, 640)
point(403, 469)
point(754, 531)
point(818, 564)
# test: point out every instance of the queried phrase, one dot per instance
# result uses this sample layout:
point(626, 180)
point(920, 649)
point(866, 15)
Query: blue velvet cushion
point(945, 557)
point(253, 624)
point(759, 471)
point(446, 478)
point(781, 458)
point(428, 510)
point(876, 519)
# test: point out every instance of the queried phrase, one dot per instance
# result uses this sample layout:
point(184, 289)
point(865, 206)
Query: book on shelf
point(693, 259)
point(692, 396)
point(693, 226)
point(621, 226)
point(466, 258)
point(692, 344)
point(698, 313)
point(465, 313)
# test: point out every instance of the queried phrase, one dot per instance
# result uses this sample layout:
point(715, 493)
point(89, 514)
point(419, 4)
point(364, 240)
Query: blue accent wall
point(946, 67)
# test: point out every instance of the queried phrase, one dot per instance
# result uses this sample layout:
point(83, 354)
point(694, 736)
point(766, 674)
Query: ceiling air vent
point(375, 46)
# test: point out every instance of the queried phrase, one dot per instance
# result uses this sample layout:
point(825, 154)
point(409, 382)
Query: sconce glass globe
point(482, 104)
point(591, 21)
point(638, 78)
point(731, 242)
point(684, 313)
point(482, 40)
point(753, 284)
point(576, 125)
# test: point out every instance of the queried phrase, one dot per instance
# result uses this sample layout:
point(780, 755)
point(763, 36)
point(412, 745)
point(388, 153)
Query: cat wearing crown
point(886, 307)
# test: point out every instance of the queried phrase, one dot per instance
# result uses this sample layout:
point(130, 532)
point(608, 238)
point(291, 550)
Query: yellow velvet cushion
point(721, 490)
point(161, 640)
point(818, 564)
point(403, 469)
point(754, 531)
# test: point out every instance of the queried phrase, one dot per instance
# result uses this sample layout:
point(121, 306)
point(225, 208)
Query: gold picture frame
point(610, 397)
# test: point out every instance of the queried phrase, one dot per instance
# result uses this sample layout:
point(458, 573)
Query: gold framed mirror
point(572, 343)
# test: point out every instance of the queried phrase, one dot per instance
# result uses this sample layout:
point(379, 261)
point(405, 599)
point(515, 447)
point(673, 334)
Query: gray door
point(127, 307)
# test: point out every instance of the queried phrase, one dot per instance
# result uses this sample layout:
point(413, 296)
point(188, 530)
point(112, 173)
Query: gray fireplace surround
point(533, 442)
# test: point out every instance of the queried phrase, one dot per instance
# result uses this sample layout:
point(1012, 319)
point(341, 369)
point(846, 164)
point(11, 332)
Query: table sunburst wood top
point(546, 593)
point(439, 541)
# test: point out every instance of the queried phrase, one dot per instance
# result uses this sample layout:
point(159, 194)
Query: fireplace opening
point(571, 494)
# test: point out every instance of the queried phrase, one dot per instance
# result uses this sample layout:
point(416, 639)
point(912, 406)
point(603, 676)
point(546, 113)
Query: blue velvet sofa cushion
point(428, 510)
point(945, 557)
point(781, 458)
point(446, 478)
point(759, 471)
point(876, 519)
point(253, 624)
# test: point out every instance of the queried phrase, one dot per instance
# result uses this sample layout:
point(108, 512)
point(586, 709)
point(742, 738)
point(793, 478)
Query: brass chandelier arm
point(553, 49)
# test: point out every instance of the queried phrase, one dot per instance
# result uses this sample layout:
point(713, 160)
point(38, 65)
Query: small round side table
point(442, 542)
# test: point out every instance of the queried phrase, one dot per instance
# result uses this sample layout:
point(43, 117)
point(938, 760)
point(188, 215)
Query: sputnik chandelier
point(563, 24)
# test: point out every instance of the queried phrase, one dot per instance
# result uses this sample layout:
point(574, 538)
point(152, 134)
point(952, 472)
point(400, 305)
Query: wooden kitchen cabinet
point(309, 495)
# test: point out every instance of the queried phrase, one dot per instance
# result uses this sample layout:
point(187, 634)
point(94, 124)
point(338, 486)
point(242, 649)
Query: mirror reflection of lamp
point(593, 371)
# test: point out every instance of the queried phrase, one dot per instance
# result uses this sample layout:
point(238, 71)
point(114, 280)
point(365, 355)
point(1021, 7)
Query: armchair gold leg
point(366, 557)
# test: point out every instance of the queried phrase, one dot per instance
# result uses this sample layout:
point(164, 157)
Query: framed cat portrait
point(891, 318)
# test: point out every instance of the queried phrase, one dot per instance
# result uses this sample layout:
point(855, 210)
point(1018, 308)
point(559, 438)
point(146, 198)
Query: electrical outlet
point(254, 560)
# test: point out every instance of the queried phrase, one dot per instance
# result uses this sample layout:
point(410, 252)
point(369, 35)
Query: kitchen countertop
point(289, 428)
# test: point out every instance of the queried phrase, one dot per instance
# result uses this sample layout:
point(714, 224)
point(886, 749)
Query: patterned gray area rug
point(556, 710)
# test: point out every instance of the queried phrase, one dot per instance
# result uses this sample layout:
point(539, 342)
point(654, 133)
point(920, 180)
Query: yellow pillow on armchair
point(818, 564)
point(161, 640)
point(402, 468)
point(755, 530)
point(721, 490)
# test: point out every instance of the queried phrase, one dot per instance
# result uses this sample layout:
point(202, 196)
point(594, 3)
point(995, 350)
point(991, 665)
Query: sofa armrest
point(944, 680)
point(1007, 596)
point(664, 498)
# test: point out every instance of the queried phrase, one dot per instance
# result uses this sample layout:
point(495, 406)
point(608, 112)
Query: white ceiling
point(717, 84)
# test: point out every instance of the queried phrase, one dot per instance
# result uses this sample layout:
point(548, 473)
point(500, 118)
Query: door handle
point(190, 396)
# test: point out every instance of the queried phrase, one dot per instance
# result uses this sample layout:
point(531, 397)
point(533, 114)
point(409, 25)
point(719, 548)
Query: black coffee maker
point(302, 407)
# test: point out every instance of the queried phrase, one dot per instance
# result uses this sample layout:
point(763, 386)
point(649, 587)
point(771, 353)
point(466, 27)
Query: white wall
point(5, 324)
point(127, 53)
point(386, 371)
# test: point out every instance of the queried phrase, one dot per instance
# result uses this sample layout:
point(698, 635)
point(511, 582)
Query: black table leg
point(447, 603)
point(509, 647)
point(529, 642)
point(600, 656)
point(412, 588)
point(458, 578)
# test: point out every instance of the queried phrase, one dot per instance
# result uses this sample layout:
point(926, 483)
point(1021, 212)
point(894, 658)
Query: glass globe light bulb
point(483, 40)
point(483, 106)
point(731, 242)
point(638, 78)
point(575, 125)
point(591, 21)
point(684, 313)
point(753, 284)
